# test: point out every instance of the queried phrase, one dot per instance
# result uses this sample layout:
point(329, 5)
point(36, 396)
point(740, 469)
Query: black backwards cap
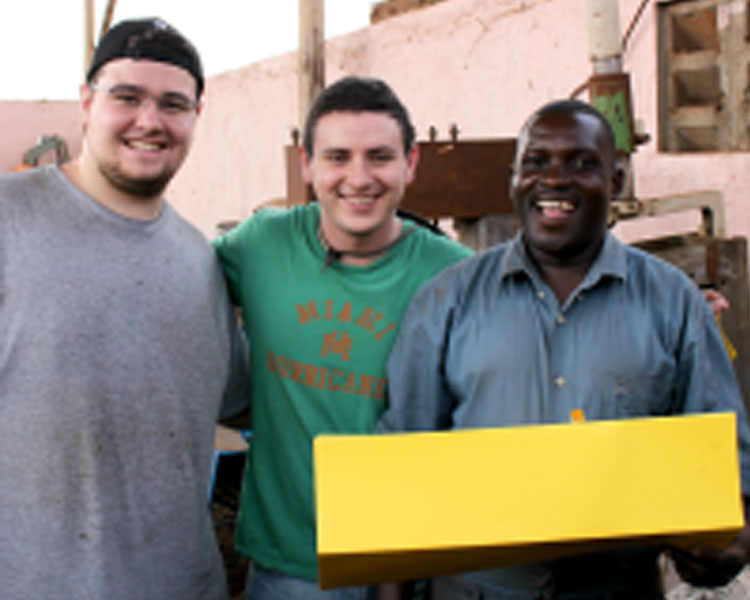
point(152, 39)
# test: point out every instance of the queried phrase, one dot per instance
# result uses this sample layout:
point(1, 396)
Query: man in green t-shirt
point(322, 289)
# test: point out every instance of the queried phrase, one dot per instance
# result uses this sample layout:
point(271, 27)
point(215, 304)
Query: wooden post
point(107, 19)
point(89, 42)
point(88, 34)
point(311, 55)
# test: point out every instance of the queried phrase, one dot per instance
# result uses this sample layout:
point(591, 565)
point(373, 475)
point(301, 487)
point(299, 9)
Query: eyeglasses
point(132, 98)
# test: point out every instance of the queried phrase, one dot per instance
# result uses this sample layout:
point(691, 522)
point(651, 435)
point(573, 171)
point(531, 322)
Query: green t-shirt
point(319, 340)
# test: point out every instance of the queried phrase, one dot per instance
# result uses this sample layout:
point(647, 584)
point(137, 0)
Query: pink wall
point(237, 160)
point(451, 63)
point(23, 123)
point(482, 64)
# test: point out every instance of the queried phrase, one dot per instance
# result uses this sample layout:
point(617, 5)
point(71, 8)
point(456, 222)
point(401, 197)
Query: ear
point(618, 178)
point(304, 162)
point(412, 160)
point(85, 98)
point(199, 108)
point(512, 174)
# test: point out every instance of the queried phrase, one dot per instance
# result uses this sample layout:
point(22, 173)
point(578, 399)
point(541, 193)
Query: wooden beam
point(88, 34)
point(311, 54)
point(107, 19)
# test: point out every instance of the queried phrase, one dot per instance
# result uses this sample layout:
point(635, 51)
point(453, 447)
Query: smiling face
point(564, 177)
point(129, 149)
point(359, 171)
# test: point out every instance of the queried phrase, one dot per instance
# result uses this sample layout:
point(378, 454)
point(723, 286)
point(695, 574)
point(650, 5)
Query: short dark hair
point(152, 39)
point(358, 94)
point(574, 107)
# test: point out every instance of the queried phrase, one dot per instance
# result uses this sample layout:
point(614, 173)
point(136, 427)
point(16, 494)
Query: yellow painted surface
point(411, 505)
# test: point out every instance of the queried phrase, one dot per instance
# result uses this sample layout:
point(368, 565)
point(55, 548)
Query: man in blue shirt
point(563, 318)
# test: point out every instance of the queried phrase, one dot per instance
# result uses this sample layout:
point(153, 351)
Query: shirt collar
point(610, 262)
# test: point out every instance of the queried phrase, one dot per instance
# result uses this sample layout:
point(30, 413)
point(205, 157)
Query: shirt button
point(560, 381)
point(540, 294)
point(579, 297)
point(561, 319)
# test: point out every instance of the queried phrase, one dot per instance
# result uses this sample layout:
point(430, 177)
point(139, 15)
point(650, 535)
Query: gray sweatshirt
point(117, 345)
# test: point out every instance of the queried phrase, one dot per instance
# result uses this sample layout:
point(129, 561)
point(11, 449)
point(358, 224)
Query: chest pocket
point(641, 394)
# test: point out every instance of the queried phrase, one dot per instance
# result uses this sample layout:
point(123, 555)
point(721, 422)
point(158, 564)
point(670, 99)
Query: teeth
point(360, 200)
point(144, 145)
point(556, 204)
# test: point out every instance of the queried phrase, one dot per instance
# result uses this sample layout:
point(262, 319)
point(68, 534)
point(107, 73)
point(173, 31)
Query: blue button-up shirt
point(487, 343)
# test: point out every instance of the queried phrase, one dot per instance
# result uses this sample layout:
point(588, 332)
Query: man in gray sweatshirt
point(118, 347)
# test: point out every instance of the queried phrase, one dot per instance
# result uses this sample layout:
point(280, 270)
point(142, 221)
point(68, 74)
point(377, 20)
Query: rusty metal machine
point(45, 144)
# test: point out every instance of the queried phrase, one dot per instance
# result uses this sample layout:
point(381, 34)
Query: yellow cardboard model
point(404, 506)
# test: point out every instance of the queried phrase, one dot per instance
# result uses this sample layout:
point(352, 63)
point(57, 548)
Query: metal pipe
point(605, 47)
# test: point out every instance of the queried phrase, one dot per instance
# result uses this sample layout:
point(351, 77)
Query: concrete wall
point(23, 123)
point(477, 63)
point(481, 64)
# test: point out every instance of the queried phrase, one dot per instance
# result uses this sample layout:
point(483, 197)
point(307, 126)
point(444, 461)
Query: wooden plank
point(311, 55)
point(88, 34)
point(694, 61)
point(694, 116)
point(229, 440)
point(107, 19)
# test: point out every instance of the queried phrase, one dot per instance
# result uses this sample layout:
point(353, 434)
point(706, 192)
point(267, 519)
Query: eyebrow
point(574, 150)
point(335, 150)
point(385, 148)
point(132, 87)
